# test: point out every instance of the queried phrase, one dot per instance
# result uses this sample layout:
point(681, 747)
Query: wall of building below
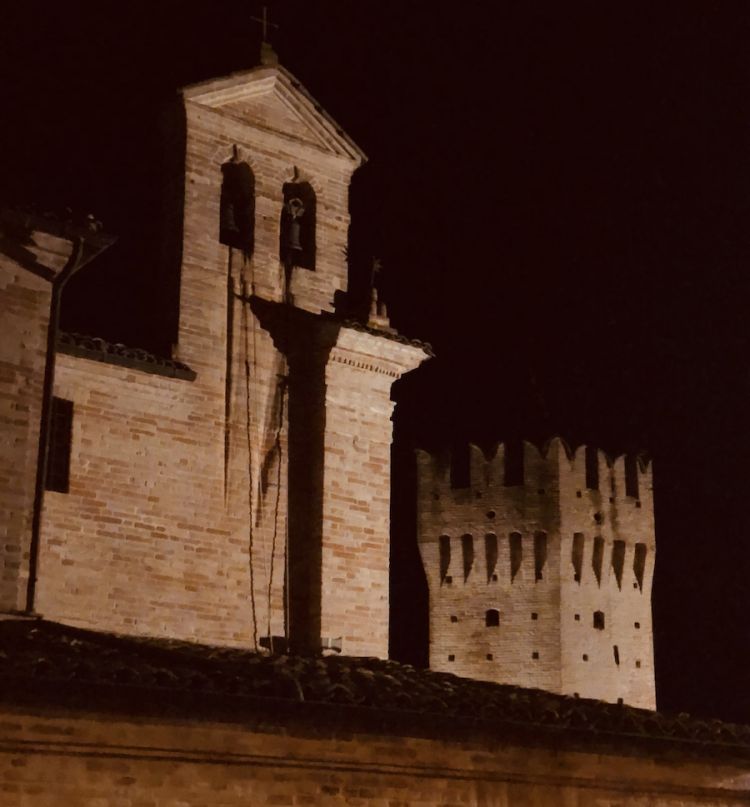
point(58, 759)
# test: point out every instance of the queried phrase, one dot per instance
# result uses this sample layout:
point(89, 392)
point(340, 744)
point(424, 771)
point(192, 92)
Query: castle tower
point(539, 566)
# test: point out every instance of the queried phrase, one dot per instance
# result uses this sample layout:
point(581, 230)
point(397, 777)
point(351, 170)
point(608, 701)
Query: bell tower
point(300, 396)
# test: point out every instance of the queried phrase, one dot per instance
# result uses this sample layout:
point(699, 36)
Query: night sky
point(559, 193)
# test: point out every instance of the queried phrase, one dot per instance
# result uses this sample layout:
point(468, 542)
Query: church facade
point(242, 497)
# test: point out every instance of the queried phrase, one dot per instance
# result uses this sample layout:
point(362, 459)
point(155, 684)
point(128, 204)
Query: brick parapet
point(96, 759)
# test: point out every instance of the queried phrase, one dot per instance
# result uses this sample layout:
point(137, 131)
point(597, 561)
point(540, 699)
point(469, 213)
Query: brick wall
point(546, 615)
point(193, 503)
point(57, 760)
point(356, 505)
point(25, 307)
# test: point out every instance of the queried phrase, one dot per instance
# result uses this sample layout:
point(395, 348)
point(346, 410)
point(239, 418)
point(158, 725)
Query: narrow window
point(638, 664)
point(597, 558)
point(297, 230)
point(492, 618)
point(599, 620)
point(592, 468)
point(540, 554)
point(513, 468)
point(639, 563)
point(631, 476)
point(445, 557)
point(467, 550)
point(616, 651)
point(577, 556)
point(460, 466)
point(535, 654)
point(237, 206)
point(516, 554)
point(490, 555)
point(58, 450)
point(618, 560)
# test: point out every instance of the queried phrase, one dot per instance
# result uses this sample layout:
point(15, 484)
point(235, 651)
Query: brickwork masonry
point(250, 497)
point(545, 583)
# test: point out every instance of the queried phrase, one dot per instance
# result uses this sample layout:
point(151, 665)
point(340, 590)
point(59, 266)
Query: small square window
point(494, 578)
point(635, 585)
point(585, 657)
point(578, 494)
point(448, 580)
point(534, 615)
point(638, 664)
point(489, 657)
point(577, 617)
point(454, 618)
point(637, 624)
point(535, 654)
point(451, 657)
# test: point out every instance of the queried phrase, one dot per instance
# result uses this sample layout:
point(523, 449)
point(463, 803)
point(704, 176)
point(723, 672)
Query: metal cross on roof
point(265, 23)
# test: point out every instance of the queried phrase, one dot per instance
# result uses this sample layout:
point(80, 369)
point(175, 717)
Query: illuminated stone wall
point(253, 500)
point(542, 584)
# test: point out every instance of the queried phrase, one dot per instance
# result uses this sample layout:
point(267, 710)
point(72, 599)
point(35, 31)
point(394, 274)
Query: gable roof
point(269, 95)
point(52, 664)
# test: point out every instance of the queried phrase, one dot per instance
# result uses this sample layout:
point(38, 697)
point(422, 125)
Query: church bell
point(295, 208)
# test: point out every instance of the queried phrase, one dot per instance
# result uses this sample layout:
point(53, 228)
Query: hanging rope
point(249, 437)
point(279, 456)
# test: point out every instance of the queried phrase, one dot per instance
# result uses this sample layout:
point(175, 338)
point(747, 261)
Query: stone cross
point(265, 23)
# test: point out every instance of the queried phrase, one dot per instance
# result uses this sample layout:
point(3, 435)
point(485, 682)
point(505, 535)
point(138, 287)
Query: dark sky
point(559, 193)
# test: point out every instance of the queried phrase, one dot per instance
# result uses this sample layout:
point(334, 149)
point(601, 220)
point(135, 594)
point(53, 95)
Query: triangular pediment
point(270, 98)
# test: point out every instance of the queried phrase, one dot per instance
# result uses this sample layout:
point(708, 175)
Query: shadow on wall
point(307, 344)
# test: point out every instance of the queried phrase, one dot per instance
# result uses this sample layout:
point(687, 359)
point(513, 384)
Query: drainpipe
point(74, 263)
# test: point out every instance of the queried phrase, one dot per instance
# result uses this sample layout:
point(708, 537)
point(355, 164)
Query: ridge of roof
point(59, 656)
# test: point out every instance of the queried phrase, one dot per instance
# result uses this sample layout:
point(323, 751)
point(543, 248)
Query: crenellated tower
point(540, 565)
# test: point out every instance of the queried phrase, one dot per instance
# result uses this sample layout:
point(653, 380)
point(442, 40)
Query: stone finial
point(378, 317)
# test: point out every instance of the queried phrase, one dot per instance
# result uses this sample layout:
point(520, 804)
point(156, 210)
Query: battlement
point(548, 469)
